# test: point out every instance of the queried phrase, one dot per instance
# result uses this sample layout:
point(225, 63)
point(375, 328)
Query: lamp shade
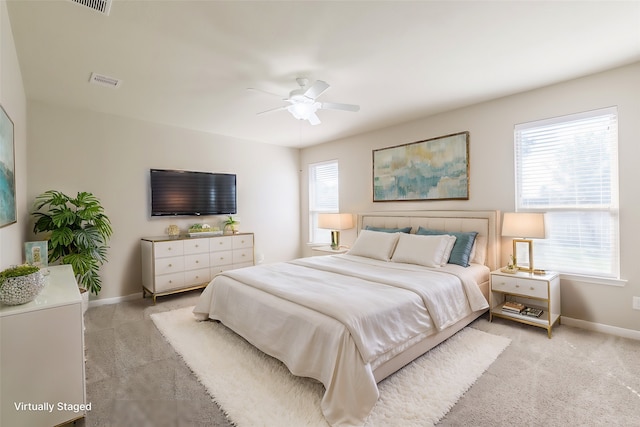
point(523, 224)
point(335, 221)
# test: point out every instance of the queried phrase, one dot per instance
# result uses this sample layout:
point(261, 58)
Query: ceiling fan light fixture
point(302, 111)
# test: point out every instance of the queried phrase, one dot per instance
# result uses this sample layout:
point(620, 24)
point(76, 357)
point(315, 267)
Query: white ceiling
point(189, 63)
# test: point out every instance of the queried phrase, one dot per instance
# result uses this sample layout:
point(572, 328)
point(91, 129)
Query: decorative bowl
point(21, 289)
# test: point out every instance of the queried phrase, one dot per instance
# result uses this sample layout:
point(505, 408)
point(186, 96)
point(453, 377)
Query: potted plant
point(20, 284)
point(78, 231)
point(231, 226)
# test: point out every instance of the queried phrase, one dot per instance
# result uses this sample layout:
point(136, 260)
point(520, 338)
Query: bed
point(351, 320)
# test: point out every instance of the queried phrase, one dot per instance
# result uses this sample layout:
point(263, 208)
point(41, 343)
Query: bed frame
point(484, 222)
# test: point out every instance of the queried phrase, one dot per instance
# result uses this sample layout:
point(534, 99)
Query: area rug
point(255, 389)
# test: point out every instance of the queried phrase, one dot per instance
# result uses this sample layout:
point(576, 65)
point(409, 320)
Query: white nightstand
point(326, 250)
point(533, 290)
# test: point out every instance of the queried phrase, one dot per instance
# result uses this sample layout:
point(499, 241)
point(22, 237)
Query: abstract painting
point(7, 171)
point(433, 169)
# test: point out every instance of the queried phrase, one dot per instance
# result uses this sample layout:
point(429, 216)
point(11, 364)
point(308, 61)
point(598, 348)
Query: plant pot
point(84, 293)
point(21, 289)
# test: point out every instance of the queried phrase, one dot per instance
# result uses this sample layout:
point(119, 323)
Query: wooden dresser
point(171, 265)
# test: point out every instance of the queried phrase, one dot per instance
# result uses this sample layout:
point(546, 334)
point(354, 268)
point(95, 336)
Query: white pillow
point(375, 244)
point(479, 250)
point(449, 248)
point(427, 250)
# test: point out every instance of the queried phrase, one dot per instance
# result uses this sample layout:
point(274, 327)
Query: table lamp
point(335, 222)
point(525, 226)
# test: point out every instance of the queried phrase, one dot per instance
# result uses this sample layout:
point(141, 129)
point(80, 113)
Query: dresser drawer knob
point(532, 288)
point(199, 261)
point(170, 265)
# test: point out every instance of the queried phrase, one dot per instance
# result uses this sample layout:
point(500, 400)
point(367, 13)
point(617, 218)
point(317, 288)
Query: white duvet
point(336, 318)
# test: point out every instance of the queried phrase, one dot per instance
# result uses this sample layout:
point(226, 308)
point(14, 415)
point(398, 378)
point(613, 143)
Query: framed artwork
point(35, 253)
point(433, 169)
point(7, 171)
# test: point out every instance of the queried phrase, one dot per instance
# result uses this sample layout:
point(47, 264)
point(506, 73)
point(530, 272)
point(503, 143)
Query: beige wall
point(492, 177)
point(77, 150)
point(13, 100)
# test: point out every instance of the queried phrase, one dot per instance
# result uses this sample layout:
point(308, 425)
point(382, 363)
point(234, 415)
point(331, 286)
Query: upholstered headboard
point(483, 222)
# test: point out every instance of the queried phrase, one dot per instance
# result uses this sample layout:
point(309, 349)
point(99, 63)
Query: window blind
point(323, 197)
point(567, 167)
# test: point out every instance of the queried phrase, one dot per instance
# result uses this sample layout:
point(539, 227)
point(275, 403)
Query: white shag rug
point(257, 390)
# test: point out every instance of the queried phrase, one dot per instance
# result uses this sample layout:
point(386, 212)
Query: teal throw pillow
point(461, 251)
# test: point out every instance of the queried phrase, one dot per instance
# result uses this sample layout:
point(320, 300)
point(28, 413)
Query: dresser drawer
point(525, 287)
point(220, 243)
point(169, 265)
point(217, 269)
point(241, 256)
point(197, 277)
point(196, 246)
point(243, 241)
point(221, 258)
point(168, 282)
point(197, 261)
point(168, 249)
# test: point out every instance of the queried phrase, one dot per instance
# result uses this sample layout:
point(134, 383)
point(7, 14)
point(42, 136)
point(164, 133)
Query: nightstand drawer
point(525, 287)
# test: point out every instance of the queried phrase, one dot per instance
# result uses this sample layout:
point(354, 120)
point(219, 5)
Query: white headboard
point(484, 222)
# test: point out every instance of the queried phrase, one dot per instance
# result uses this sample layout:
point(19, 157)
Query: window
point(567, 167)
point(323, 197)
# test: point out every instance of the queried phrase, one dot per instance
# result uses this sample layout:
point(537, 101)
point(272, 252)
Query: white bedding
point(336, 318)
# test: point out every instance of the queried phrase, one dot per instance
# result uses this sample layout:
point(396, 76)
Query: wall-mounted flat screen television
point(188, 193)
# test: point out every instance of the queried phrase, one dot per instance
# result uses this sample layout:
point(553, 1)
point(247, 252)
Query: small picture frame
point(35, 253)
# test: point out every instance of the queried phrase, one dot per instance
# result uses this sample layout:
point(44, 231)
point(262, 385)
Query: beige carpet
point(255, 389)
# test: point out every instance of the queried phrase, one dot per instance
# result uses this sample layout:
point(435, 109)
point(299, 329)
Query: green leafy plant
point(17, 271)
point(78, 231)
point(231, 224)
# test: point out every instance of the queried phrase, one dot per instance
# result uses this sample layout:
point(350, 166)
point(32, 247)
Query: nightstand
point(540, 291)
point(326, 250)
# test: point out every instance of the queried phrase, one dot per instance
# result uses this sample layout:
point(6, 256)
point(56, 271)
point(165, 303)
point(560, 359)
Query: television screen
point(189, 193)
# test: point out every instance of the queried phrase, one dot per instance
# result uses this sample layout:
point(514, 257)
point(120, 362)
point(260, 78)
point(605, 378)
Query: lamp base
point(335, 240)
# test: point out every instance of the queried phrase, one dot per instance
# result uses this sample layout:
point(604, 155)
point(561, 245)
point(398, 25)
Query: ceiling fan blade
point(284, 107)
point(253, 89)
point(313, 119)
point(316, 89)
point(337, 106)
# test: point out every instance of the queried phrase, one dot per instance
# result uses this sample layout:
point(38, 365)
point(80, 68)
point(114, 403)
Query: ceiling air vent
point(101, 80)
point(102, 6)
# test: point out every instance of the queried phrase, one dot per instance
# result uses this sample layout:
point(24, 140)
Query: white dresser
point(42, 372)
point(171, 265)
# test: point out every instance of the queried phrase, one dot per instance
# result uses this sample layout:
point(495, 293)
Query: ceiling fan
point(303, 104)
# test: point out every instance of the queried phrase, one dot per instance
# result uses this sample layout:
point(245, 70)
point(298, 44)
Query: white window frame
point(582, 226)
point(323, 197)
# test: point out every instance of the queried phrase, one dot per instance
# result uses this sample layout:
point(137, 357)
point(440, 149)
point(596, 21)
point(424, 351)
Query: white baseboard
point(599, 327)
point(114, 300)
